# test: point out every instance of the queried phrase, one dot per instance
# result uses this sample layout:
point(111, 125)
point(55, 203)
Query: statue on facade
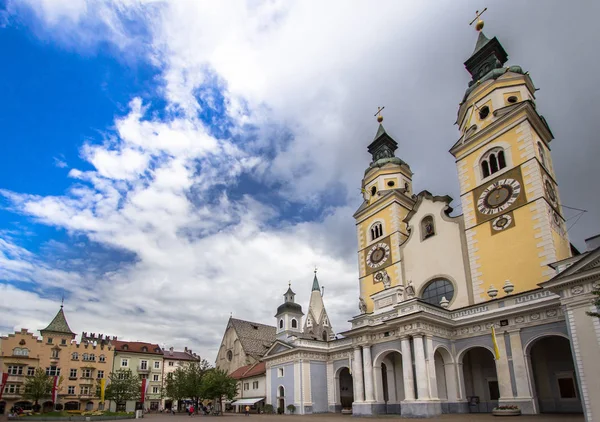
point(383, 277)
point(410, 291)
point(362, 306)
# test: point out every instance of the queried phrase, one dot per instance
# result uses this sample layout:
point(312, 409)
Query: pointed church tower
point(289, 316)
point(59, 327)
point(317, 322)
point(514, 223)
point(388, 198)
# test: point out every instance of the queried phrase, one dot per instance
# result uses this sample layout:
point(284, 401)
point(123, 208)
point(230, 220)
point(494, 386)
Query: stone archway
point(554, 381)
point(388, 381)
point(447, 383)
point(344, 389)
point(479, 379)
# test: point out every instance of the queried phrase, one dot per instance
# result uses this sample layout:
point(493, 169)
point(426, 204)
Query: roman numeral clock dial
point(498, 196)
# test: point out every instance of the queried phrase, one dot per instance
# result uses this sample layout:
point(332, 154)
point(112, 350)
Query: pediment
point(278, 347)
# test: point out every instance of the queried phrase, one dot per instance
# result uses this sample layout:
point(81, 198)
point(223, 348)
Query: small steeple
point(315, 285)
point(383, 146)
point(59, 324)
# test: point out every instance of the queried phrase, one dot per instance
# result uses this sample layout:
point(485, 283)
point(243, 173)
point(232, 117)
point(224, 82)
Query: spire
point(315, 285)
point(487, 56)
point(59, 324)
point(481, 41)
point(383, 146)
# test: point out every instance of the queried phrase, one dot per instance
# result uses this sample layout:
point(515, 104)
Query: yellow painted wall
point(367, 287)
point(511, 254)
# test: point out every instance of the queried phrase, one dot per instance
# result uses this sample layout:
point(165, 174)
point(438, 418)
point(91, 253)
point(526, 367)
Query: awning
point(247, 401)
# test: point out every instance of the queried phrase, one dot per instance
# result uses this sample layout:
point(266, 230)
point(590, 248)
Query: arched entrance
point(89, 406)
point(554, 381)
point(47, 406)
point(445, 374)
point(72, 405)
point(281, 399)
point(389, 381)
point(345, 389)
point(24, 405)
point(480, 380)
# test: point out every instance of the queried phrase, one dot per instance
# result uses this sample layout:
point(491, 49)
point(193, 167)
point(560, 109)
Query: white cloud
point(306, 77)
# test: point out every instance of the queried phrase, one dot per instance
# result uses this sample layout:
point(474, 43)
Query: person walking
point(247, 410)
point(191, 410)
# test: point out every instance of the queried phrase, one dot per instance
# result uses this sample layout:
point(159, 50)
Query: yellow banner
point(102, 389)
point(495, 342)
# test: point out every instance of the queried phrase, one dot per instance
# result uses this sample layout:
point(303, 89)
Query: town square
point(317, 210)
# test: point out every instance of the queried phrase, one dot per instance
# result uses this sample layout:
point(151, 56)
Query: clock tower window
point(492, 162)
point(376, 231)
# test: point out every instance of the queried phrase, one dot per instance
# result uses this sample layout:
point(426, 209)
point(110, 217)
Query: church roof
point(315, 285)
point(249, 371)
point(59, 324)
point(255, 338)
point(481, 41)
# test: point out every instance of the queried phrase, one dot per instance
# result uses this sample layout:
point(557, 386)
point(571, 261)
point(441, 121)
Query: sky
point(167, 164)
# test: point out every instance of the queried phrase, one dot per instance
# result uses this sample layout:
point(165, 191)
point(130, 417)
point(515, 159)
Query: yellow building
point(79, 365)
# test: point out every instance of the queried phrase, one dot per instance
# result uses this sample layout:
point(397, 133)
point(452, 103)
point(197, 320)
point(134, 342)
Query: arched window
point(427, 227)
point(75, 356)
point(492, 162)
point(541, 152)
point(436, 290)
point(281, 323)
point(102, 358)
point(229, 355)
point(281, 391)
point(92, 357)
point(324, 335)
point(294, 323)
point(376, 231)
point(85, 356)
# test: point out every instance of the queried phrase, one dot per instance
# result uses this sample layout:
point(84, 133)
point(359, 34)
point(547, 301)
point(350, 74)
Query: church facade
point(457, 314)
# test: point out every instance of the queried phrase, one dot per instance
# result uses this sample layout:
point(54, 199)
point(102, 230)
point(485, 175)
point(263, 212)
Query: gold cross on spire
point(378, 114)
point(479, 24)
point(290, 283)
point(315, 270)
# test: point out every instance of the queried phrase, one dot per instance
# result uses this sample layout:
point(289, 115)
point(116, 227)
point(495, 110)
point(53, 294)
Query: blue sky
point(179, 159)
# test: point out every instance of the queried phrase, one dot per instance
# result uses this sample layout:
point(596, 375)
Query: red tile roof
point(249, 371)
point(137, 347)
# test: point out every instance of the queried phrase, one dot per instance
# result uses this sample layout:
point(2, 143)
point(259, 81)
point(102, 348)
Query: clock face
point(498, 196)
point(378, 255)
point(550, 191)
point(502, 222)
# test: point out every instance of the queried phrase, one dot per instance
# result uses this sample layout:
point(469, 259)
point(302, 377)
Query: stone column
point(407, 370)
point(433, 388)
point(519, 366)
point(368, 368)
point(502, 370)
point(421, 369)
point(357, 376)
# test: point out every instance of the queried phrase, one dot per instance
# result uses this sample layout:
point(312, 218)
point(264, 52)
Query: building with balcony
point(146, 361)
point(81, 364)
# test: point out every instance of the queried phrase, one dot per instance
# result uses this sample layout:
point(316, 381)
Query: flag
point(102, 389)
point(55, 389)
point(144, 390)
point(3, 380)
point(495, 342)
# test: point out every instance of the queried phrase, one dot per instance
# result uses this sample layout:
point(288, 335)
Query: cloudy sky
point(166, 163)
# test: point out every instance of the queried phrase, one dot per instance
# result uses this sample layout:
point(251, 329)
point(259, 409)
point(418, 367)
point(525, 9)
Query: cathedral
point(456, 314)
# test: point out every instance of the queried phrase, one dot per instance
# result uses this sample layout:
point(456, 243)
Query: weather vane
point(378, 114)
point(479, 24)
point(315, 269)
point(290, 283)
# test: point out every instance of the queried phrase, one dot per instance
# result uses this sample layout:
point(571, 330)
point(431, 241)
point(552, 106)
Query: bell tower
point(514, 222)
point(387, 193)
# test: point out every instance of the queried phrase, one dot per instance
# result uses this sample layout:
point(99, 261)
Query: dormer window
point(492, 162)
point(125, 347)
point(144, 349)
point(376, 231)
point(427, 227)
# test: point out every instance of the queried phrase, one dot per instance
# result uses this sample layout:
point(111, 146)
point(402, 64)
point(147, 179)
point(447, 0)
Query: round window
point(484, 112)
point(391, 183)
point(229, 355)
point(436, 290)
point(512, 99)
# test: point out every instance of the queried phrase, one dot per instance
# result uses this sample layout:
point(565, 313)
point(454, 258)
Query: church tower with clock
point(387, 192)
point(514, 223)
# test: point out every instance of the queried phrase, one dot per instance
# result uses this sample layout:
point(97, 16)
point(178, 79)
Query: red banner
point(3, 383)
point(55, 390)
point(144, 388)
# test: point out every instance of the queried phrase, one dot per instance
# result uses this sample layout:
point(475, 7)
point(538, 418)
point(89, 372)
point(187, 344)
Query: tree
point(38, 386)
point(596, 314)
point(217, 384)
point(175, 386)
point(193, 376)
point(123, 386)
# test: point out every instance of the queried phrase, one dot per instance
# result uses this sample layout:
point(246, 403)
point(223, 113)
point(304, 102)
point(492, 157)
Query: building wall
point(134, 361)
point(287, 382)
point(440, 256)
point(231, 343)
point(318, 386)
point(252, 392)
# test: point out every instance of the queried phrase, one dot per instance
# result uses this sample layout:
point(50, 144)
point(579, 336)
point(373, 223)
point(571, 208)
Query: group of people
point(204, 409)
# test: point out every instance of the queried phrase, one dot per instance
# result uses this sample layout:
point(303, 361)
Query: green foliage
point(269, 409)
point(596, 314)
point(38, 386)
point(280, 410)
point(175, 385)
point(291, 408)
point(123, 386)
point(218, 384)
